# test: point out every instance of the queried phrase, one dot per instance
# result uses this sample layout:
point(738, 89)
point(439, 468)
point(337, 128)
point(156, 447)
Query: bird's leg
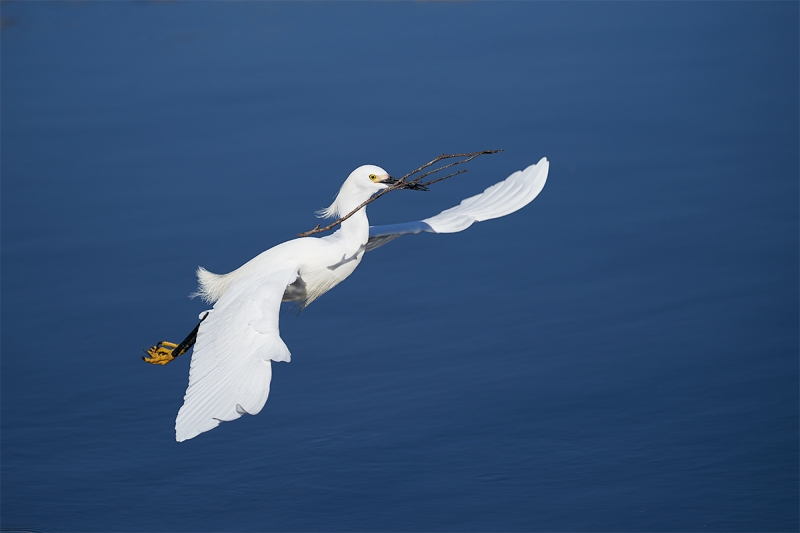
point(165, 351)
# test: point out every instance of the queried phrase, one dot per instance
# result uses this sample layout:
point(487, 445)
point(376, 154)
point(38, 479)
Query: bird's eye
point(373, 177)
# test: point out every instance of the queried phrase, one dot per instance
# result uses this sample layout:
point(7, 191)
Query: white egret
point(238, 338)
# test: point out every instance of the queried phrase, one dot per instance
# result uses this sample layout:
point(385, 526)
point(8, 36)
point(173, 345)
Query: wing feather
point(231, 371)
point(499, 200)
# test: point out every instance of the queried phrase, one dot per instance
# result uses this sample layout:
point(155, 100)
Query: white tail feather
point(211, 286)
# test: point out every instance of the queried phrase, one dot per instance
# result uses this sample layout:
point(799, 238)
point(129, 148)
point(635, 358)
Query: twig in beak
point(411, 184)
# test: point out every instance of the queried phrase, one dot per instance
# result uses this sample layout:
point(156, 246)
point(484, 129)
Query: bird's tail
point(210, 286)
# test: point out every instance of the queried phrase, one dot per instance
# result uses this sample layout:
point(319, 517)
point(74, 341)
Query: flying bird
point(236, 341)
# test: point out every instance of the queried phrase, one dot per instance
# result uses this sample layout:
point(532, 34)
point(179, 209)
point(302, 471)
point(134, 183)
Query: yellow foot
point(161, 353)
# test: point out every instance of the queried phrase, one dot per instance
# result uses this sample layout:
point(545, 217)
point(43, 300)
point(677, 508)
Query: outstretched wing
point(231, 371)
point(499, 200)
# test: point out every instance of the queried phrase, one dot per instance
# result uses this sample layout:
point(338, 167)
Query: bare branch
point(404, 183)
point(456, 173)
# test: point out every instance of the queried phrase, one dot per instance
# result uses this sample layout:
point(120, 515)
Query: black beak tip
point(408, 185)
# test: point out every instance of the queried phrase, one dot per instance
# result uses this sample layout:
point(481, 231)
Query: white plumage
point(230, 370)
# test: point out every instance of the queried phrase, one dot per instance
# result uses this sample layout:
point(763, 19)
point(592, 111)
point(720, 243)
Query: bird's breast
point(332, 263)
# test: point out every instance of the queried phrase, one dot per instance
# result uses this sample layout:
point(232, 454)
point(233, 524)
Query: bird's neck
point(356, 227)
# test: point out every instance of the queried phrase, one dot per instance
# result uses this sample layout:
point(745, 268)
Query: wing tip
point(543, 164)
point(184, 432)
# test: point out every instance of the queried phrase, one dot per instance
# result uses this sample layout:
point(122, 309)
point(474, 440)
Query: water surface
point(620, 355)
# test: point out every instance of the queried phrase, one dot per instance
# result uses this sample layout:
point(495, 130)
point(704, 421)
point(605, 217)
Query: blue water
point(620, 355)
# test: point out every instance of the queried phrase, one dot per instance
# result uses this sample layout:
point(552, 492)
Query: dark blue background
point(620, 355)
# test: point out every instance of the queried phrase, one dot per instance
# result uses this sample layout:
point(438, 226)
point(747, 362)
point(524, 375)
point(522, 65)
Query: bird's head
point(359, 186)
point(374, 179)
point(370, 178)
